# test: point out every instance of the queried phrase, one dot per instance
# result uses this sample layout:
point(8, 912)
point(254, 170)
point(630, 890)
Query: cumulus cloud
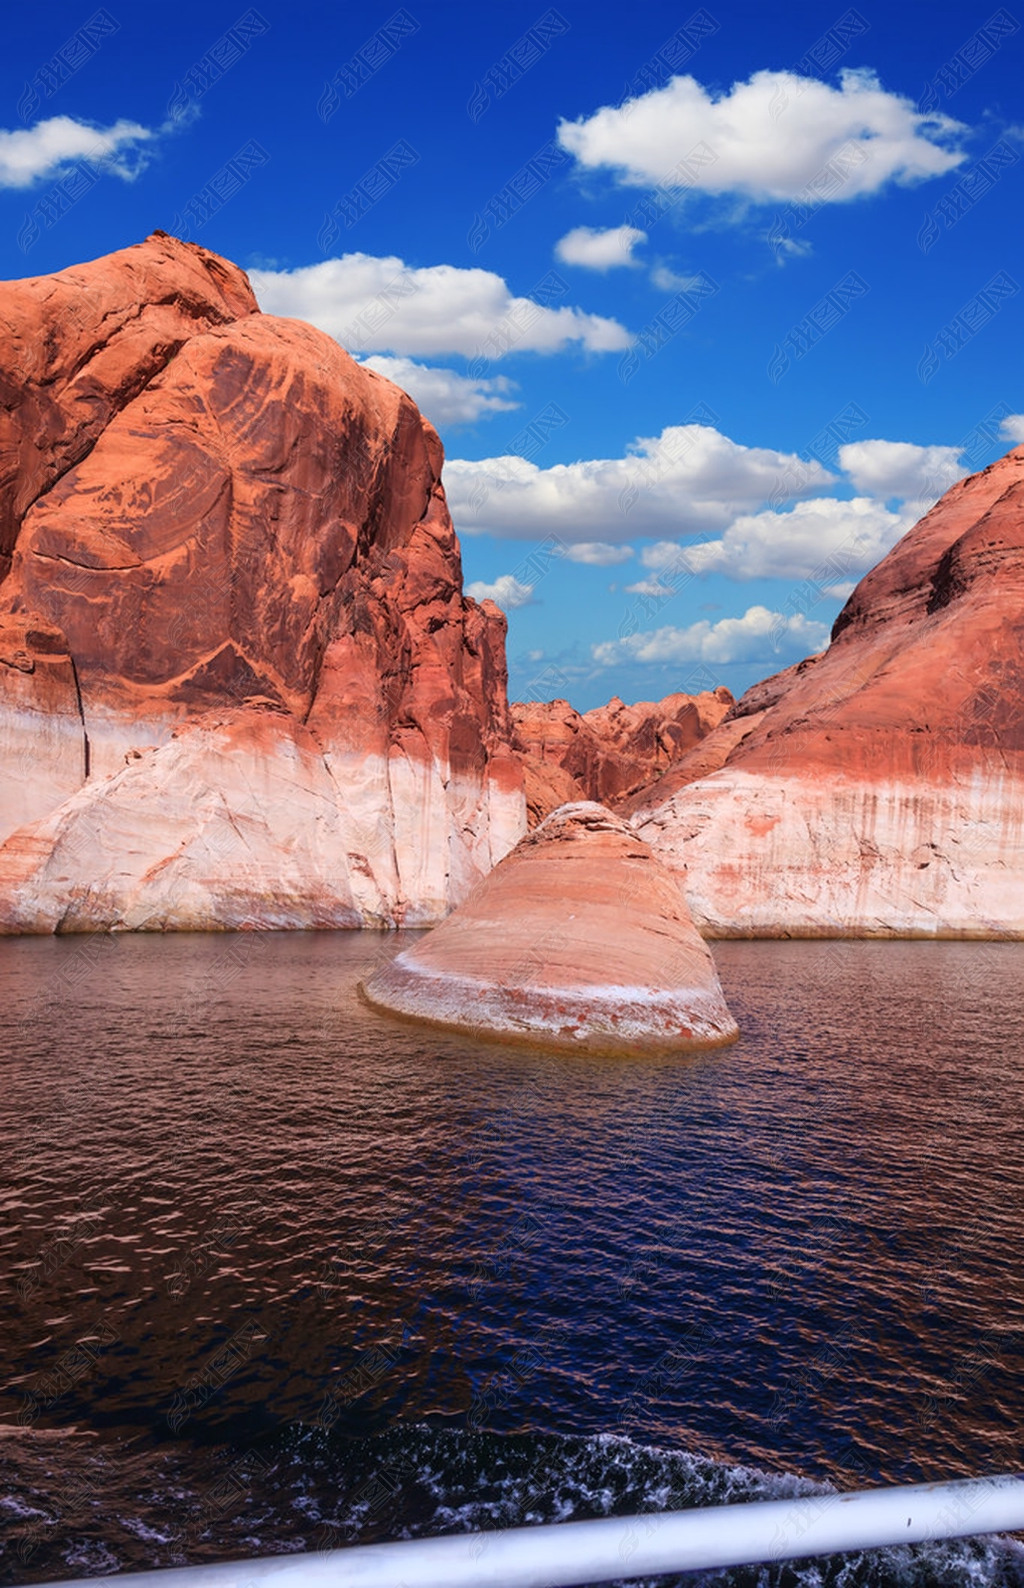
point(901, 469)
point(506, 591)
point(600, 250)
point(445, 396)
point(598, 553)
point(665, 556)
point(373, 304)
point(45, 151)
point(688, 480)
point(1013, 428)
point(755, 637)
point(822, 538)
point(768, 139)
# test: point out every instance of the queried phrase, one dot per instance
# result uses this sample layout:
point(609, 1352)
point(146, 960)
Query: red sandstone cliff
point(239, 682)
point(240, 685)
point(877, 789)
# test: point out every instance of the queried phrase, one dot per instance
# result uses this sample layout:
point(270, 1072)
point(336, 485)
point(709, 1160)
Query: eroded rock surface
point(578, 939)
point(877, 789)
point(611, 752)
point(230, 572)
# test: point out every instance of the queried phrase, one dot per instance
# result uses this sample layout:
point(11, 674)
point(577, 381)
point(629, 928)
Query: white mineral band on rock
point(579, 939)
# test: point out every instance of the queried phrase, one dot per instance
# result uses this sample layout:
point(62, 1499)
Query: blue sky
point(709, 303)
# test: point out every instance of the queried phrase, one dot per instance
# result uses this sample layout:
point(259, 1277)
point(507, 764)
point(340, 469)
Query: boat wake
point(75, 1504)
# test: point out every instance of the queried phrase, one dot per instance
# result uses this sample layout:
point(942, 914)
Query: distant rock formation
point(711, 752)
point(877, 789)
point(578, 939)
point(239, 682)
point(609, 753)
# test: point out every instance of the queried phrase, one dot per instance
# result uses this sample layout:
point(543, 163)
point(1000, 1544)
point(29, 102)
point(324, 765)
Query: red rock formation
point(710, 753)
point(579, 939)
point(879, 788)
point(79, 346)
point(610, 752)
point(232, 572)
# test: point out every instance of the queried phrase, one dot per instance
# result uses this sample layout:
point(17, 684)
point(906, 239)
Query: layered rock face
point(239, 683)
point(876, 790)
point(579, 939)
point(609, 753)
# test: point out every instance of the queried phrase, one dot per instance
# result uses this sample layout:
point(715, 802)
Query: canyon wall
point(878, 789)
point(239, 681)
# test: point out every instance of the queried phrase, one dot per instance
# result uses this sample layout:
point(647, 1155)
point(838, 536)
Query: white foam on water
point(312, 1491)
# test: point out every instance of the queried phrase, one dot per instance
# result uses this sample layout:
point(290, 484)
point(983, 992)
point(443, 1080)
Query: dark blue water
point(282, 1273)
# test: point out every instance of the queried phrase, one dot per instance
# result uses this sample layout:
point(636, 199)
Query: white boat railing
point(564, 1554)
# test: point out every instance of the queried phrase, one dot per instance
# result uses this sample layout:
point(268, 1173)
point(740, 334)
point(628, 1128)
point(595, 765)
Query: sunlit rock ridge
point(239, 682)
point(878, 789)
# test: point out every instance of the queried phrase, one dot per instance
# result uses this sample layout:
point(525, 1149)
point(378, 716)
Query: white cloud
point(791, 248)
point(689, 479)
point(651, 587)
point(668, 281)
point(665, 556)
point(446, 397)
point(901, 469)
point(598, 554)
point(1013, 428)
point(506, 591)
point(372, 304)
point(755, 637)
point(769, 138)
point(599, 250)
point(822, 538)
point(43, 152)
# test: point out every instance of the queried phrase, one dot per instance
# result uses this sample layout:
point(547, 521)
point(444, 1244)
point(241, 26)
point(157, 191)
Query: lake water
point(282, 1273)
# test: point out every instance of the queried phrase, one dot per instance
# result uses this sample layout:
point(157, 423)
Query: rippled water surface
point(282, 1273)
